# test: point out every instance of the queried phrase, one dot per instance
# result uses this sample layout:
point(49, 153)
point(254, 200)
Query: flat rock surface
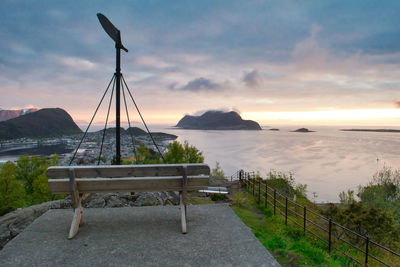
point(138, 236)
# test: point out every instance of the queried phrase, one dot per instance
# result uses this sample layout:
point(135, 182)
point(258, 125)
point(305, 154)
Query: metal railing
point(325, 229)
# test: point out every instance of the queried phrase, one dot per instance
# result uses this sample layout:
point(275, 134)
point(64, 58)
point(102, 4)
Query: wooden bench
point(82, 180)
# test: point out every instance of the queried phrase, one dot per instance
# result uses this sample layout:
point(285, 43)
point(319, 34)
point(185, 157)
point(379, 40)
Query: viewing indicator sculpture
point(118, 82)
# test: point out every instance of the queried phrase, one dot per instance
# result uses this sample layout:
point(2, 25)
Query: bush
point(24, 183)
point(238, 199)
point(218, 172)
point(218, 197)
point(12, 193)
point(178, 153)
point(285, 184)
point(383, 191)
point(365, 220)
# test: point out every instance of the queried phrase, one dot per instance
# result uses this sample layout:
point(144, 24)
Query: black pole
point(286, 210)
point(366, 250)
point(330, 236)
point(266, 194)
point(304, 219)
point(117, 105)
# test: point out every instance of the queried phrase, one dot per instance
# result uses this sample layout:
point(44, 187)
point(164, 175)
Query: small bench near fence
point(82, 180)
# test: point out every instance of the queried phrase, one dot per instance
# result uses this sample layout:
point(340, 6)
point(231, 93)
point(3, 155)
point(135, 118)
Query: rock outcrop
point(303, 130)
point(10, 114)
point(13, 223)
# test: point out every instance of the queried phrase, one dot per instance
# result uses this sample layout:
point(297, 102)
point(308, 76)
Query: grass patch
point(197, 200)
point(288, 243)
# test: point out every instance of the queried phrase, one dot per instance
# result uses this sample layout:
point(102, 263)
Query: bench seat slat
point(128, 170)
point(128, 184)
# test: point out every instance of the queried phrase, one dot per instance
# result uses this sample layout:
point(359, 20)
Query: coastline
point(371, 130)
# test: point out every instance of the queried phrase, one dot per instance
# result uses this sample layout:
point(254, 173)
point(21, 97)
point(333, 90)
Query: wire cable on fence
point(91, 120)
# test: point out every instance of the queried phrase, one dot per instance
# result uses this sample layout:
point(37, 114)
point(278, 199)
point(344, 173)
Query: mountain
point(217, 120)
point(10, 114)
point(47, 122)
point(136, 131)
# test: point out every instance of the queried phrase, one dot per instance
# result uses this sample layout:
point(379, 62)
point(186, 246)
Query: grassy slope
point(288, 244)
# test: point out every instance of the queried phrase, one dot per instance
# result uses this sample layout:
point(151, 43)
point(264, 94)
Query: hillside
point(46, 122)
point(217, 120)
point(10, 114)
point(136, 131)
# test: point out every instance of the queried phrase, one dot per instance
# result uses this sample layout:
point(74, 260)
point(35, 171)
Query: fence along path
point(331, 233)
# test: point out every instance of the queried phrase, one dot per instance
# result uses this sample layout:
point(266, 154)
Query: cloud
point(152, 62)
point(196, 85)
point(252, 79)
point(223, 109)
point(309, 50)
point(76, 63)
point(396, 103)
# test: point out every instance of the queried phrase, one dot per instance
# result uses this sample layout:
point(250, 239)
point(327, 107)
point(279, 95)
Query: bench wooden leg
point(83, 198)
point(76, 220)
point(183, 211)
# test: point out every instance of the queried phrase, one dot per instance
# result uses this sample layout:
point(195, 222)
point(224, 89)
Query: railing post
point(305, 219)
point(246, 182)
point(266, 194)
point(259, 191)
point(330, 236)
point(286, 210)
point(274, 201)
point(253, 184)
point(366, 250)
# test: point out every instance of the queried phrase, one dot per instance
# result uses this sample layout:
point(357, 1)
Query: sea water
point(328, 160)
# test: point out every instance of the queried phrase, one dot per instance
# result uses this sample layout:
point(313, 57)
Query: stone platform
point(138, 236)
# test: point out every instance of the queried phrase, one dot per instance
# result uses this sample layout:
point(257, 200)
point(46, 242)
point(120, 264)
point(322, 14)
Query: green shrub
point(12, 193)
point(178, 153)
point(285, 184)
point(238, 199)
point(218, 197)
point(365, 220)
point(217, 171)
point(24, 183)
point(383, 191)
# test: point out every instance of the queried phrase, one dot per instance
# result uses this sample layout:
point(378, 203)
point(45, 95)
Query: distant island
point(47, 122)
point(274, 129)
point(217, 120)
point(303, 130)
point(372, 130)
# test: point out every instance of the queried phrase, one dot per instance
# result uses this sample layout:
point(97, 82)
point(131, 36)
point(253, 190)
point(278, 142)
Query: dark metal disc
point(109, 28)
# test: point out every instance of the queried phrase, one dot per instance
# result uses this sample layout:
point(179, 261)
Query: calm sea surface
point(328, 160)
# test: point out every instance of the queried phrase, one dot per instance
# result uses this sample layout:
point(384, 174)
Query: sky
point(276, 62)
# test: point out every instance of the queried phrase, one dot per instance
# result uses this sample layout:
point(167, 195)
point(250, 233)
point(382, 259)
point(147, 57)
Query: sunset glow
point(364, 116)
point(229, 55)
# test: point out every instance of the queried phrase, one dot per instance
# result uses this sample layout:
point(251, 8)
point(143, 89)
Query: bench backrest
point(128, 178)
point(116, 171)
